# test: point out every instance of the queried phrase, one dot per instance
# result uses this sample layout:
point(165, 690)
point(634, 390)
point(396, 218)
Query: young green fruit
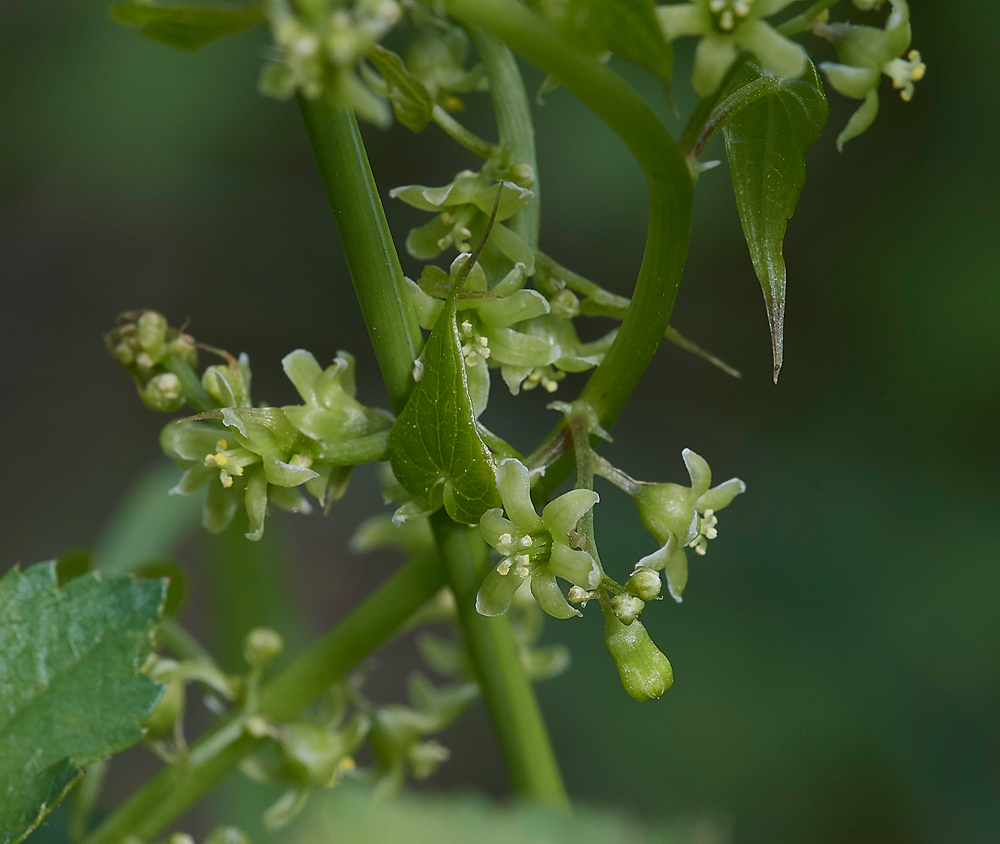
point(646, 673)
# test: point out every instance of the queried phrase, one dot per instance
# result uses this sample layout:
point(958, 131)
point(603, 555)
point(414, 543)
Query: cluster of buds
point(150, 350)
point(318, 46)
point(727, 27)
point(865, 53)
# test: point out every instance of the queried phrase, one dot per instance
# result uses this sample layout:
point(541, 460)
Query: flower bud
point(644, 583)
point(645, 672)
point(627, 607)
point(171, 707)
point(522, 175)
point(163, 393)
point(312, 752)
point(261, 645)
point(151, 331)
point(565, 304)
point(426, 757)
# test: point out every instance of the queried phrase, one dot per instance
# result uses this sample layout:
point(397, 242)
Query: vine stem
point(177, 787)
point(670, 197)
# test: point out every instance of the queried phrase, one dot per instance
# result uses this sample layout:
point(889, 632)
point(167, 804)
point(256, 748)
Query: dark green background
point(838, 652)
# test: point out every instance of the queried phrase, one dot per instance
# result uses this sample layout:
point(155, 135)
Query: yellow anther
point(221, 445)
point(225, 479)
point(347, 763)
point(504, 566)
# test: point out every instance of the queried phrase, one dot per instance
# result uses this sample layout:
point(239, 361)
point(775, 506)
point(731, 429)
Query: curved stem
point(176, 788)
point(458, 133)
point(506, 688)
point(805, 20)
point(670, 194)
point(514, 125)
point(364, 233)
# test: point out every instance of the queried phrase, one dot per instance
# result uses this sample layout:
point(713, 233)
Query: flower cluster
point(317, 48)
point(726, 27)
point(865, 54)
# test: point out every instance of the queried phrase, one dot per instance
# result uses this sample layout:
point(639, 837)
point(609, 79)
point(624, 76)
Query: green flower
point(866, 53)
point(726, 27)
point(437, 57)
point(317, 49)
point(462, 209)
point(535, 548)
point(683, 517)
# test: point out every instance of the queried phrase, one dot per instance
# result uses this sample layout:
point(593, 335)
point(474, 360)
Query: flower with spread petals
point(726, 27)
point(683, 517)
point(462, 209)
point(535, 548)
point(866, 53)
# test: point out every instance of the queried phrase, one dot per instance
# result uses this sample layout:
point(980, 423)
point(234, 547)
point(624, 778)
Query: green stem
point(457, 132)
point(505, 685)
point(805, 20)
point(367, 242)
point(670, 190)
point(176, 788)
point(514, 125)
point(171, 635)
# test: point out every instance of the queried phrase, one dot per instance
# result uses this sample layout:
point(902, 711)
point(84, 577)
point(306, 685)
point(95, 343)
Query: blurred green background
point(837, 655)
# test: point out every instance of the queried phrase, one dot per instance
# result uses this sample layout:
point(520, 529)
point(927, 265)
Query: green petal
point(337, 381)
point(422, 242)
point(497, 592)
point(193, 479)
point(561, 514)
point(698, 471)
point(513, 247)
point(522, 305)
point(493, 525)
point(427, 307)
point(478, 378)
point(289, 499)
point(512, 199)
point(855, 82)
point(720, 496)
point(189, 441)
point(513, 377)
point(220, 507)
point(255, 500)
point(778, 55)
point(514, 485)
point(285, 474)
point(517, 349)
point(578, 567)
point(550, 597)
point(682, 19)
point(713, 57)
point(415, 195)
point(303, 370)
point(676, 571)
point(860, 120)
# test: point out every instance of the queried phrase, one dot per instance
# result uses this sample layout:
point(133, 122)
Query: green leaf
point(434, 446)
point(410, 100)
point(185, 26)
point(766, 143)
point(71, 691)
point(627, 28)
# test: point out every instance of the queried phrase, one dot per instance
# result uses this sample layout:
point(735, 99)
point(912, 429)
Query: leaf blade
point(70, 687)
point(187, 27)
point(766, 142)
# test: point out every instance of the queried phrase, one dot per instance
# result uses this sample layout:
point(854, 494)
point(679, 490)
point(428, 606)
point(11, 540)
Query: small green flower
point(317, 48)
point(683, 517)
point(865, 53)
point(726, 27)
point(535, 548)
point(462, 209)
point(437, 57)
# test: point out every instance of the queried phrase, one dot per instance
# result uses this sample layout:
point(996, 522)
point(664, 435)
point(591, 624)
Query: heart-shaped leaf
point(185, 26)
point(71, 690)
point(435, 448)
point(766, 143)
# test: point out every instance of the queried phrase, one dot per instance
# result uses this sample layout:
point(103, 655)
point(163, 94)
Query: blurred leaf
point(627, 28)
point(350, 815)
point(70, 688)
point(176, 577)
point(185, 26)
point(766, 144)
point(434, 446)
point(410, 100)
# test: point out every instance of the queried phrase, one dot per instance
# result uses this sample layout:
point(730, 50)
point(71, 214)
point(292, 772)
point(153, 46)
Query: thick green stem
point(364, 233)
point(670, 195)
point(176, 788)
point(514, 125)
point(506, 688)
